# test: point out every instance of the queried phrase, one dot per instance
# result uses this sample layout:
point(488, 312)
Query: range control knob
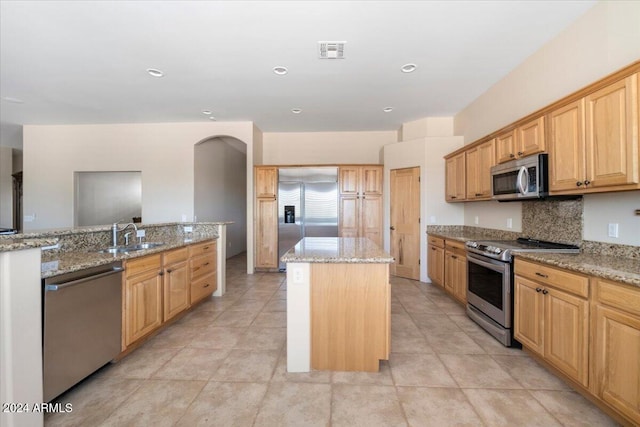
point(472, 244)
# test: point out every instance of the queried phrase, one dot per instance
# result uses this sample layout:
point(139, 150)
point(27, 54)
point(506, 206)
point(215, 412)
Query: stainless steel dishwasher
point(82, 325)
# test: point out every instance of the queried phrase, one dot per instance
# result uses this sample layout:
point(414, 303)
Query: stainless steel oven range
point(490, 281)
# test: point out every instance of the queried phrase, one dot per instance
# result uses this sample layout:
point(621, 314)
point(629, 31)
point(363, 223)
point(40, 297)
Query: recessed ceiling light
point(387, 109)
point(296, 110)
point(409, 68)
point(12, 100)
point(212, 118)
point(281, 71)
point(155, 72)
point(207, 112)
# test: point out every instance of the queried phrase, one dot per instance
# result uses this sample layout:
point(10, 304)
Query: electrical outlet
point(476, 220)
point(140, 233)
point(188, 229)
point(613, 230)
point(297, 275)
point(509, 222)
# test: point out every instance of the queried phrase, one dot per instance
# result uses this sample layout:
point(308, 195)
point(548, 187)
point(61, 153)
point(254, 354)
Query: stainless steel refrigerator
point(307, 205)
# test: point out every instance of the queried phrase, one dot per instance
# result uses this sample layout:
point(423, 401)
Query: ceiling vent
point(331, 50)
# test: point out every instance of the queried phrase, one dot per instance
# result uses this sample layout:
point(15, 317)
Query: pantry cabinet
point(360, 202)
point(552, 316)
point(266, 217)
point(593, 142)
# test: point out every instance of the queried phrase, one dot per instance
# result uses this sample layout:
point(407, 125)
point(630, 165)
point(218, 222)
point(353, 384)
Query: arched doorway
point(220, 187)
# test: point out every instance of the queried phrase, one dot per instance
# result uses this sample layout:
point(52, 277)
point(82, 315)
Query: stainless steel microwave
point(521, 179)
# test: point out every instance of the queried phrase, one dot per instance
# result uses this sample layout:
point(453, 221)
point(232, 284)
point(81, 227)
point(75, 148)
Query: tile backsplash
point(553, 220)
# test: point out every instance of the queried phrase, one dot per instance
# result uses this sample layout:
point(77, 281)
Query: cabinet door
point(349, 180)
point(505, 147)
point(371, 218)
point(616, 355)
point(472, 173)
point(449, 271)
point(176, 289)
point(460, 274)
point(566, 320)
point(531, 138)
point(528, 314)
point(456, 178)
point(487, 159)
point(566, 148)
point(371, 180)
point(203, 287)
point(435, 265)
point(612, 134)
point(266, 229)
point(349, 216)
point(266, 181)
point(143, 304)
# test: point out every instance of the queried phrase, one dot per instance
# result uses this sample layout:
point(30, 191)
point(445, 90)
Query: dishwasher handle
point(59, 286)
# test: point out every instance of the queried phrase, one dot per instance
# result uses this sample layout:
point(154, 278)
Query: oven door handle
point(491, 266)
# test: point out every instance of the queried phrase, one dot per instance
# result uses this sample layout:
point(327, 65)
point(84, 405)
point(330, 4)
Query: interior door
point(405, 222)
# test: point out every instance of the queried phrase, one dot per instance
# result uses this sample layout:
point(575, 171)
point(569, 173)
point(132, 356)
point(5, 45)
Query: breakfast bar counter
point(338, 305)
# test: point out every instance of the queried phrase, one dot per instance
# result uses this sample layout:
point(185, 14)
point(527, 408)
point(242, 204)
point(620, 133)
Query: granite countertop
point(58, 262)
point(337, 250)
point(9, 244)
point(618, 269)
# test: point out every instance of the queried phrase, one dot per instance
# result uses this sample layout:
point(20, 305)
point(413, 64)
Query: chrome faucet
point(114, 232)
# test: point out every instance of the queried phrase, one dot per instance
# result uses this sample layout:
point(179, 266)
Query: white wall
point(605, 39)
point(426, 153)
point(220, 189)
point(162, 151)
point(308, 148)
point(617, 208)
point(6, 187)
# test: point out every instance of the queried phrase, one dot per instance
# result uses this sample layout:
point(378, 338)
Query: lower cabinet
point(158, 287)
point(143, 297)
point(616, 347)
point(552, 317)
point(435, 260)
point(455, 270)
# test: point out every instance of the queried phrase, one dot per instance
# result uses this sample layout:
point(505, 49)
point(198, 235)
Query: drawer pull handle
point(538, 289)
point(206, 286)
point(454, 257)
point(205, 264)
point(545, 292)
point(542, 275)
point(206, 247)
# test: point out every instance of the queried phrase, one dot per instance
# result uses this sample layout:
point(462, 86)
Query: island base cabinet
point(143, 299)
point(350, 316)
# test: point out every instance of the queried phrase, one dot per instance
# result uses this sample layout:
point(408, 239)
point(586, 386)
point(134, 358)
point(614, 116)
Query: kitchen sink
point(130, 248)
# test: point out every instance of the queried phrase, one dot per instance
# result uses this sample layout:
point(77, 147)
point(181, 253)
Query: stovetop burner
point(504, 249)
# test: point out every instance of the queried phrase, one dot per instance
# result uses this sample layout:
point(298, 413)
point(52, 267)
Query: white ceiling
point(85, 61)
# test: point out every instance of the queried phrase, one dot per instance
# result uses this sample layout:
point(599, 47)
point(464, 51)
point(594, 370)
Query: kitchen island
point(338, 305)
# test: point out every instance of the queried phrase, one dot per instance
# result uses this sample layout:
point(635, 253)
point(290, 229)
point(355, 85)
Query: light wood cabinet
point(455, 270)
point(479, 161)
point(266, 217)
point(455, 168)
point(506, 146)
point(593, 142)
point(360, 202)
point(616, 347)
point(552, 316)
point(175, 282)
point(143, 297)
point(530, 138)
point(435, 260)
point(203, 270)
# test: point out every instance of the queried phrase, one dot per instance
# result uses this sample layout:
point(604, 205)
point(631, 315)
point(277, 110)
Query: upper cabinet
point(522, 141)
point(594, 141)
point(456, 178)
point(266, 179)
point(479, 161)
point(360, 204)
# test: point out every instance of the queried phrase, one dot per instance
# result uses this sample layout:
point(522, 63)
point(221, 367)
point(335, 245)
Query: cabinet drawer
point(139, 265)
point(203, 287)
point(618, 295)
point(558, 278)
point(202, 265)
point(176, 255)
point(436, 241)
point(455, 246)
point(207, 247)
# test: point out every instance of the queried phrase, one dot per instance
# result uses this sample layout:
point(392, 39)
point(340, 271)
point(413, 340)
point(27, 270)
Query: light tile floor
point(224, 364)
